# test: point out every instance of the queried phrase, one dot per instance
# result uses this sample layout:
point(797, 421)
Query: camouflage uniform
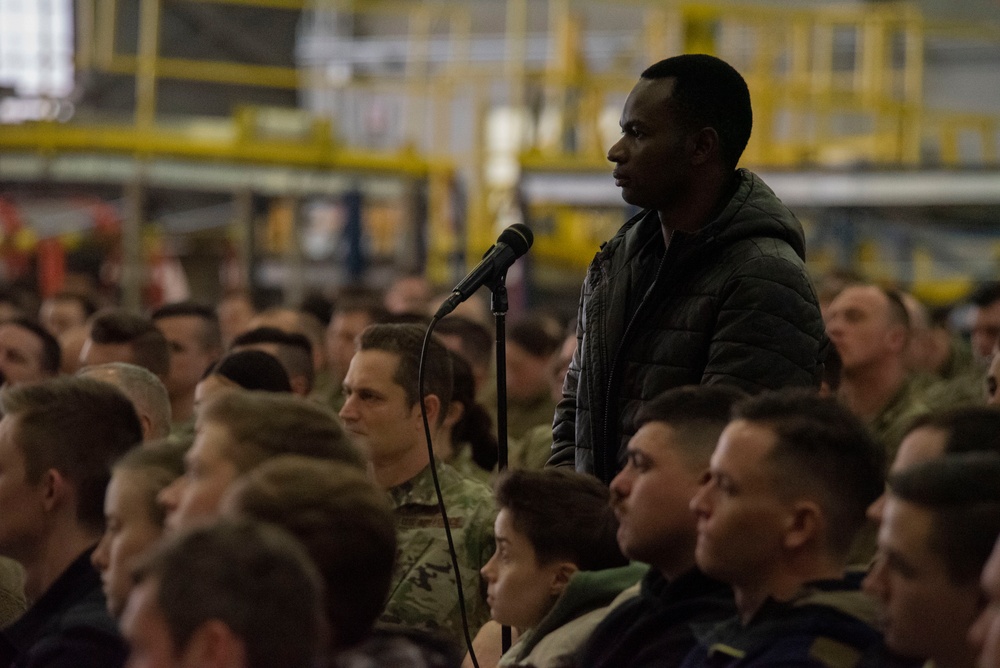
point(890, 426)
point(423, 594)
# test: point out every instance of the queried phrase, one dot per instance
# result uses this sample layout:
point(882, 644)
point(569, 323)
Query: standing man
point(58, 440)
point(192, 332)
point(706, 285)
point(382, 410)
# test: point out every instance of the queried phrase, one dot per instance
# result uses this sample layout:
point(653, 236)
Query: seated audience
point(785, 495)
point(382, 410)
point(229, 595)
point(240, 430)
point(133, 520)
point(665, 462)
point(57, 442)
point(940, 522)
point(557, 566)
point(532, 343)
point(146, 392)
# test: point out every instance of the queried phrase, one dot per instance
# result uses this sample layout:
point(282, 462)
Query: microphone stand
point(498, 304)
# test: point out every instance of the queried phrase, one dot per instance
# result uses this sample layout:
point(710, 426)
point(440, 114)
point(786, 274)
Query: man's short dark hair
point(252, 370)
point(344, 522)
point(405, 342)
point(708, 92)
point(538, 335)
point(209, 337)
point(78, 426)
point(564, 514)
point(263, 425)
point(986, 294)
point(821, 447)
point(698, 413)
point(254, 578)
point(476, 340)
point(897, 308)
point(368, 302)
point(294, 350)
point(149, 346)
point(963, 492)
point(967, 429)
point(51, 352)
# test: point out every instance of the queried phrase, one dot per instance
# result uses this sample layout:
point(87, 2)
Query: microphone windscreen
point(518, 236)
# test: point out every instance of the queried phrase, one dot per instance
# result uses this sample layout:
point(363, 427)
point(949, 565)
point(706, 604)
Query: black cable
point(440, 497)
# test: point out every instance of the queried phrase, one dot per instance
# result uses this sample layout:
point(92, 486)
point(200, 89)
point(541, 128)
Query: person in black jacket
point(706, 285)
point(57, 442)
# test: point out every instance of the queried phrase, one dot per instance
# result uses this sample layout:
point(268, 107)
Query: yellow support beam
point(240, 74)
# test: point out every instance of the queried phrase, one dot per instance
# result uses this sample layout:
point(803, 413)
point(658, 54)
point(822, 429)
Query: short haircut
point(823, 449)
point(536, 335)
point(149, 346)
point(77, 426)
point(698, 413)
point(708, 92)
point(143, 388)
point(160, 463)
point(963, 492)
point(986, 294)
point(267, 424)
point(344, 522)
point(254, 578)
point(564, 514)
point(405, 342)
point(294, 350)
point(476, 341)
point(209, 337)
point(967, 429)
point(252, 370)
point(51, 352)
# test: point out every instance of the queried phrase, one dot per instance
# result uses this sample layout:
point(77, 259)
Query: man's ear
point(214, 645)
point(806, 523)
point(564, 570)
point(705, 145)
point(433, 407)
point(56, 488)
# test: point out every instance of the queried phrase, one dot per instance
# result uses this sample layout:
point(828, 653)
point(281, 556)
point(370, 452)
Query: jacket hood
point(763, 216)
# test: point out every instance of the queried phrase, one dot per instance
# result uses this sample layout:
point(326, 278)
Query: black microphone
point(512, 244)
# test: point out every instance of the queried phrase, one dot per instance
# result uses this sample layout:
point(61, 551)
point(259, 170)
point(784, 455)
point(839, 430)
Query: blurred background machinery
point(159, 148)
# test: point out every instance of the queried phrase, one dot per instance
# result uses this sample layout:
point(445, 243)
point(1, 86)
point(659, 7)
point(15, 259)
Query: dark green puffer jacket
point(731, 303)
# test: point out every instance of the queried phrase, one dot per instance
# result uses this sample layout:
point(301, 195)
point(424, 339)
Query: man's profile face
point(145, 629)
point(651, 157)
point(651, 498)
point(924, 613)
point(741, 518)
point(188, 357)
point(22, 512)
point(859, 326)
point(20, 355)
point(61, 315)
point(208, 473)
point(376, 411)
